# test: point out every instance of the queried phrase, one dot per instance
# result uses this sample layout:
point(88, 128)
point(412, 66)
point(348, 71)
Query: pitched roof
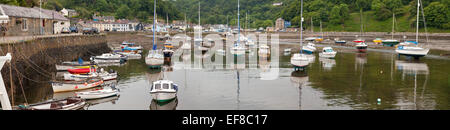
point(54, 14)
point(17, 11)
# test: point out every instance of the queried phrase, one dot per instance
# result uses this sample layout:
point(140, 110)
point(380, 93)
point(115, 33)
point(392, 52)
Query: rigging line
point(36, 81)
point(27, 61)
point(30, 61)
point(21, 86)
point(40, 50)
point(424, 22)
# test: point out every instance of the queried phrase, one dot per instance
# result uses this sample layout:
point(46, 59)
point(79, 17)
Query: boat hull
point(68, 104)
point(328, 55)
point(167, 54)
point(307, 51)
point(66, 86)
point(342, 43)
point(91, 96)
point(361, 48)
point(413, 53)
point(81, 71)
point(391, 44)
point(163, 96)
point(154, 62)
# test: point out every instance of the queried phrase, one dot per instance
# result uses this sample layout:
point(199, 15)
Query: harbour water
point(376, 80)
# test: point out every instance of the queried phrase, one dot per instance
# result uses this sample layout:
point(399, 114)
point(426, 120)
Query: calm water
point(350, 81)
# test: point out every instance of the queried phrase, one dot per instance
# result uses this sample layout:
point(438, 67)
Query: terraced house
point(24, 21)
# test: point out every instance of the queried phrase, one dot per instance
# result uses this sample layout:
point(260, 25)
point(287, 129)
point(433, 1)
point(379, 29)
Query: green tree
point(381, 11)
point(123, 12)
point(435, 16)
point(9, 2)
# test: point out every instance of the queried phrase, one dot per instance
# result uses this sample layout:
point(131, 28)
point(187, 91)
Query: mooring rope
point(23, 91)
point(36, 81)
point(28, 61)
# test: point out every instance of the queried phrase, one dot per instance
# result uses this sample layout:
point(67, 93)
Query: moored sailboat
point(154, 58)
point(300, 60)
point(411, 48)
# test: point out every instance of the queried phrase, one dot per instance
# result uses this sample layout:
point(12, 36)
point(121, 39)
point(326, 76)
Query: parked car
point(90, 31)
point(65, 30)
point(73, 29)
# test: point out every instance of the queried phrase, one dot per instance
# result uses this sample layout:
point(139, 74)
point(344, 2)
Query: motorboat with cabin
point(328, 52)
point(163, 90)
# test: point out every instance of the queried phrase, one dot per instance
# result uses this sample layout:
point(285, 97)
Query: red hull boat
point(81, 71)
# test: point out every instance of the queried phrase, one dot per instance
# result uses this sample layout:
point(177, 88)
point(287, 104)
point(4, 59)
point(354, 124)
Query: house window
point(24, 24)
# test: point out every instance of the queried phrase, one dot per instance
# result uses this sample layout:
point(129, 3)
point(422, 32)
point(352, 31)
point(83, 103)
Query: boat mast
point(360, 20)
point(154, 26)
point(417, 29)
point(321, 29)
point(246, 25)
point(301, 27)
point(393, 24)
point(199, 22)
point(312, 24)
point(239, 25)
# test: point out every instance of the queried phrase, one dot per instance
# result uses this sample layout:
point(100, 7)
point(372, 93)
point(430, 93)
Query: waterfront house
point(59, 21)
point(69, 13)
point(120, 25)
point(26, 21)
point(279, 24)
point(103, 18)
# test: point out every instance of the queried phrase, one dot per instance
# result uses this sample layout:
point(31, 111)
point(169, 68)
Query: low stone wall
point(34, 61)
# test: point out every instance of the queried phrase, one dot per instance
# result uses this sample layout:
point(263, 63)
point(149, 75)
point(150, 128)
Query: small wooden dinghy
point(97, 94)
point(71, 103)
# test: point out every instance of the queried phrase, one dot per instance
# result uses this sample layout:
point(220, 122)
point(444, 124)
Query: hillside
point(336, 15)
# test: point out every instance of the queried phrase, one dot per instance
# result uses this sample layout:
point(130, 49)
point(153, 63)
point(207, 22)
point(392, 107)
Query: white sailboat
point(360, 43)
point(300, 60)
point(411, 48)
point(154, 59)
point(238, 49)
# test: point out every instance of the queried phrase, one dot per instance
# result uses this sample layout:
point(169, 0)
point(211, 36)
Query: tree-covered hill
point(130, 9)
point(335, 15)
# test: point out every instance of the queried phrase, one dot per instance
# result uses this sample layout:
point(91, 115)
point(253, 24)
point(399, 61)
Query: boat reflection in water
point(414, 69)
point(299, 79)
point(171, 105)
point(327, 63)
point(94, 102)
point(361, 58)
